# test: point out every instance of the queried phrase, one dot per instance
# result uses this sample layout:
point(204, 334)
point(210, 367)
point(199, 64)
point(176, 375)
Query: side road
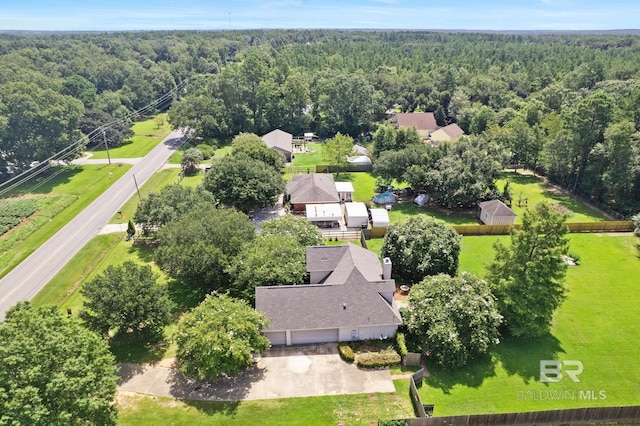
point(281, 373)
point(33, 273)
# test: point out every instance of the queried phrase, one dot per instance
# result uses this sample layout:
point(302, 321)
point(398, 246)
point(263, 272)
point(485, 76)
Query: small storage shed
point(379, 218)
point(324, 215)
point(345, 191)
point(356, 215)
point(495, 212)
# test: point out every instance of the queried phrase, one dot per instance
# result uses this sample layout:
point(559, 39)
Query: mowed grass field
point(360, 409)
point(60, 198)
point(147, 135)
point(598, 325)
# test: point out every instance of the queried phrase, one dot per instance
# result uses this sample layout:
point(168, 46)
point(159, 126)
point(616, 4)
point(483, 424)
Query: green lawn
point(59, 200)
point(148, 134)
point(309, 159)
point(360, 409)
point(534, 189)
point(155, 182)
point(597, 325)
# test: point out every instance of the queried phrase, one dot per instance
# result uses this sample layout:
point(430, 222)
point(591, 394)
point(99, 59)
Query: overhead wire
point(72, 149)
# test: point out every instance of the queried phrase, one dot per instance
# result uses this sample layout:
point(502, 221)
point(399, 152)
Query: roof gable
point(342, 261)
point(279, 139)
point(419, 120)
point(312, 188)
point(496, 208)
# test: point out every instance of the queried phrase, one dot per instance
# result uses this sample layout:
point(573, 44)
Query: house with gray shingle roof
point(280, 141)
point(312, 188)
point(349, 298)
point(495, 212)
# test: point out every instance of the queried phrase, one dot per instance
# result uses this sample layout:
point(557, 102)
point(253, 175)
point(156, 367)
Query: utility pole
point(137, 189)
point(104, 137)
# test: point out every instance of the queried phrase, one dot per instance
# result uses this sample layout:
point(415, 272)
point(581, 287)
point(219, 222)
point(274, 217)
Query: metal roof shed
point(379, 218)
point(356, 215)
point(324, 212)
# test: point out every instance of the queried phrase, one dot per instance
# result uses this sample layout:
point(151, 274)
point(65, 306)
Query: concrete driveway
point(281, 373)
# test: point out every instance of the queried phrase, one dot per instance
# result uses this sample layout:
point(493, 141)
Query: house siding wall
point(366, 333)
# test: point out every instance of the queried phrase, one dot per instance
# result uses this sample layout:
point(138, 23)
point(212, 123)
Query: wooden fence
point(574, 227)
point(342, 235)
point(574, 415)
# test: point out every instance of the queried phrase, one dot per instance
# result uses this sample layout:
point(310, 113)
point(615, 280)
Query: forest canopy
point(565, 105)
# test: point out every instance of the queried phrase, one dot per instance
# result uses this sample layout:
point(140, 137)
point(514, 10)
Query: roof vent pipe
point(386, 268)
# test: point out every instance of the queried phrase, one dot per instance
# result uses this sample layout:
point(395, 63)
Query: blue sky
point(73, 15)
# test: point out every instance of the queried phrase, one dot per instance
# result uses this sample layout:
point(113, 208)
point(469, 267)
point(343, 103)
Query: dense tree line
point(565, 105)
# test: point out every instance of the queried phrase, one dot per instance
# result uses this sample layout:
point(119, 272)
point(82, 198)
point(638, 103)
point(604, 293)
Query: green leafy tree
point(198, 248)
point(218, 337)
point(115, 133)
point(169, 204)
point(131, 230)
point(126, 298)
point(297, 227)
point(253, 147)
point(191, 160)
point(53, 370)
point(527, 276)
point(35, 123)
point(244, 183)
point(267, 260)
point(453, 319)
point(336, 150)
point(420, 247)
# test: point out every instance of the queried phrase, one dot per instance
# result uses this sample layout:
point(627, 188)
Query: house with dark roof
point(446, 133)
point(350, 297)
point(495, 212)
point(280, 141)
point(312, 188)
point(424, 122)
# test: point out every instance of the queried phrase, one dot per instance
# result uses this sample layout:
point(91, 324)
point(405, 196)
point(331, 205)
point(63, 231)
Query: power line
point(71, 150)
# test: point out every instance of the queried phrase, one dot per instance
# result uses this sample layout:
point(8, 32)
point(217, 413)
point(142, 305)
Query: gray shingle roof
point(496, 208)
point(347, 298)
point(279, 139)
point(314, 188)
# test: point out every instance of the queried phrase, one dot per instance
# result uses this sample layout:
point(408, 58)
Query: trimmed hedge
point(377, 359)
point(401, 345)
point(346, 353)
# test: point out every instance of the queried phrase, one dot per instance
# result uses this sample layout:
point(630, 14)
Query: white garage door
point(314, 336)
point(277, 337)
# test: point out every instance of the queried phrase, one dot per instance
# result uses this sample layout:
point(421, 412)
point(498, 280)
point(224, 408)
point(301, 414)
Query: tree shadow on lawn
point(228, 392)
point(142, 250)
point(184, 296)
point(520, 179)
point(42, 184)
point(433, 211)
point(472, 375)
point(522, 357)
point(137, 348)
point(569, 202)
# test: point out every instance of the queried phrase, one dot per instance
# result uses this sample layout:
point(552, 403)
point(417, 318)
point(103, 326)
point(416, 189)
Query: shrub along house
point(350, 297)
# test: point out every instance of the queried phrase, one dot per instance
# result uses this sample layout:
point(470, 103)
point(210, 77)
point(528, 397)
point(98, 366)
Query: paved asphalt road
point(31, 275)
